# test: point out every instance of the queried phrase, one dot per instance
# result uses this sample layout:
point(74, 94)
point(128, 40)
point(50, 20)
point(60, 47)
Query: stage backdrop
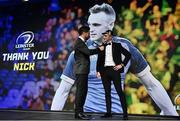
point(36, 38)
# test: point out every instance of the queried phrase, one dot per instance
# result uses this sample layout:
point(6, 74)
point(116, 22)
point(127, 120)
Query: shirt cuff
point(67, 79)
point(147, 69)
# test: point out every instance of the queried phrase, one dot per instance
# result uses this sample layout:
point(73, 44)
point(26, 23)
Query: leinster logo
point(24, 40)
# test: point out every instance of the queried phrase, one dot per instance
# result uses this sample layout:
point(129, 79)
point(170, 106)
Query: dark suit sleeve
point(127, 55)
point(80, 46)
point(98, 63)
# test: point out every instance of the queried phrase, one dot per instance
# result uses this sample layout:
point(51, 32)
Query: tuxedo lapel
point(113, 48)
point(104, 51)
point(81, 41)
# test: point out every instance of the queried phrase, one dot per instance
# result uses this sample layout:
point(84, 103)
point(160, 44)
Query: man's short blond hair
point(106, 8)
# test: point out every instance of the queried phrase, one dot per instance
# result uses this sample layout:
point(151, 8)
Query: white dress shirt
point(108, 56)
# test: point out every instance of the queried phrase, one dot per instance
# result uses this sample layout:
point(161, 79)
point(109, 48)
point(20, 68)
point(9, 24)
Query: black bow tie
point(105, 44)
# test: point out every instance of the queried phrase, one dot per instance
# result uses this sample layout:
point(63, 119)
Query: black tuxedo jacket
point(82, 60)
point(117, 50)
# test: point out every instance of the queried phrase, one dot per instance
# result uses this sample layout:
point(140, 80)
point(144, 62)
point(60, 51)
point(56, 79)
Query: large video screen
point(37, 38)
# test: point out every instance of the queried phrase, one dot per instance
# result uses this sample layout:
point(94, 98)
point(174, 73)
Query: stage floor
point(56, 115)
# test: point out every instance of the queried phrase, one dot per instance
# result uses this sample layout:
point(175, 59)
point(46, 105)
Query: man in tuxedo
point(82, 67)
point(109, 67)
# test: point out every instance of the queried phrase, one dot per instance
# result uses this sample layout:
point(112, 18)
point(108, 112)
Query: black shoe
point(125, 117)
point(82, 116)
point(107, 115)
